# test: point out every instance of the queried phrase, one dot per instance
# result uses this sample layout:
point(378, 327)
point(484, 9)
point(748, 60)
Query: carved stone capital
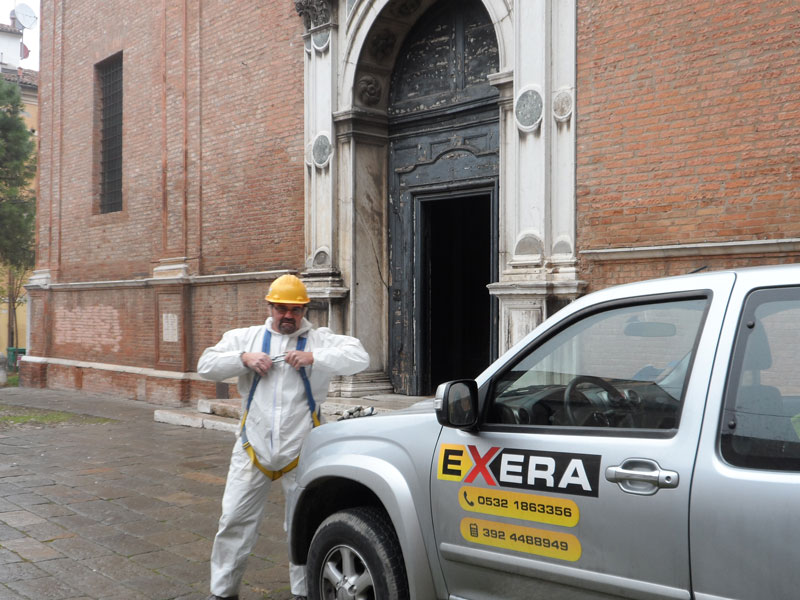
point(313, 12)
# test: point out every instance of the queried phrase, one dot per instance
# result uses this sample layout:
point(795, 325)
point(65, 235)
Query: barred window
point(109, 78)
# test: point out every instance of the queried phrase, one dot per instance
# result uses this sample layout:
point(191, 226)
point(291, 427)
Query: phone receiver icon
point(467, 500)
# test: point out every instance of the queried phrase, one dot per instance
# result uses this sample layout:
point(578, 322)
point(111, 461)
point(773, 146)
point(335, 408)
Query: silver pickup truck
point(644, 442)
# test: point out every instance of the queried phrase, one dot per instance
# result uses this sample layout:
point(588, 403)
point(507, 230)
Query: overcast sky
point(30, 37)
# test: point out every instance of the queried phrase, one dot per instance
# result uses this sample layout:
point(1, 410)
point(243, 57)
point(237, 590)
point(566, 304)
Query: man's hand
point(257, 361)
point(297, 359)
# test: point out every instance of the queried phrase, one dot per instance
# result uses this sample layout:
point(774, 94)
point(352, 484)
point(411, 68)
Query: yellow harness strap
point(273, 475)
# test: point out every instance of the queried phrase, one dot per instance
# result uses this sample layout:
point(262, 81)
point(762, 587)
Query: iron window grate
point(110, 79)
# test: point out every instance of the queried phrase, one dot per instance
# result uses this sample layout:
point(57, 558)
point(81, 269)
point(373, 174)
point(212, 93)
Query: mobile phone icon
point(473, 529)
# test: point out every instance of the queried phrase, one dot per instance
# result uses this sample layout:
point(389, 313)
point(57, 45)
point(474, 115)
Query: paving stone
point(143, 528)
point(125, 593)
point(7, 594)
point(82, 578)
point(118, 568)
point(26, 500)
point(158, 587)
point(20, 518)
point(8, 489)
point(8, 533)
point(191, 596)
point(51, 509)
point(205, 477)
point(78, 548)
point(20, 570)
point(63, 493)
point(45, 588)
point(106, 492)
point(30, 549)
point(169, 537)
point(104, 511)
point(161, 558)
point(168, 514)
point(46, 531)
point(141, 504)
point(197, 550)
point(84, 526)
point(126, 545)
point(27, 482)
point(186, 571)
point(181, 499)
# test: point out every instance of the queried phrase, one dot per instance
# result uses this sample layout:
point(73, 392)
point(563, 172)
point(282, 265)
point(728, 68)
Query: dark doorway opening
point(456, 308)
point(444, 158)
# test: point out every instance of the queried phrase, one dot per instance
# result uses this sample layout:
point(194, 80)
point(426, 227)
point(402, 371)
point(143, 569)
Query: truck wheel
point(355, 555)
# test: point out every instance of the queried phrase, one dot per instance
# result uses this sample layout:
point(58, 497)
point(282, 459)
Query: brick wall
point(213, 138)
point(688, 130)
point(212, 174)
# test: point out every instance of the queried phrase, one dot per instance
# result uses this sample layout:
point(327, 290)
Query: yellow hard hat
point(287, 289)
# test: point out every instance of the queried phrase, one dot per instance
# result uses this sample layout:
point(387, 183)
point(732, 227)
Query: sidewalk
point(125, 509)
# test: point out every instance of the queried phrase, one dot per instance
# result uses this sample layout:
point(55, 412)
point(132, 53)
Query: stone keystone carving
point(369, 90)
point(313, 12)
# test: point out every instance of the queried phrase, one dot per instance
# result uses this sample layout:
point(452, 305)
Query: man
point(284, 369)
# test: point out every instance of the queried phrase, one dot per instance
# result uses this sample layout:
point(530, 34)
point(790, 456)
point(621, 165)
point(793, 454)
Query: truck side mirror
point(456, 403)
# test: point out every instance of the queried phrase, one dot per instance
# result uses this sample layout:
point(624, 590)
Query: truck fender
point(387, 482)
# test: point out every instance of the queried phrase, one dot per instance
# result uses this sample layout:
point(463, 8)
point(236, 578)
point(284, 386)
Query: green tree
point(17, 200)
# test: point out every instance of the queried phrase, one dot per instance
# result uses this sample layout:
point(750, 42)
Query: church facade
point(443, 174)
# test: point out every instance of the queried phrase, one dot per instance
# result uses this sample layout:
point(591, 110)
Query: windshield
point(616, 360)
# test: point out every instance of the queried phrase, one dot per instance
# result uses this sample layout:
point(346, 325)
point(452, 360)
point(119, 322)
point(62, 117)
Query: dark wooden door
point(444, 162)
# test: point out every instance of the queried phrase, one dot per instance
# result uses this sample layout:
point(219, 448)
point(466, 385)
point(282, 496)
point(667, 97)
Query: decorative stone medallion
point(562, 106)
point(528, 109)
point(321, 150)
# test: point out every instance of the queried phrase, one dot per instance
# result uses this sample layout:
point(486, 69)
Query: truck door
point(744, 523)
point(577, 482)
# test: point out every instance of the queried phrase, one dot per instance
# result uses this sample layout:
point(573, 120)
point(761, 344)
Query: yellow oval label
point(553, 544)
point(518, 505)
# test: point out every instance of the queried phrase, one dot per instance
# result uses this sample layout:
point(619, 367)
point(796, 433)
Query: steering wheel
point(614, 397)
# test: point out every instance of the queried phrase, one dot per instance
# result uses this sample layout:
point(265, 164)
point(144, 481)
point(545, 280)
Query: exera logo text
point(560, 472)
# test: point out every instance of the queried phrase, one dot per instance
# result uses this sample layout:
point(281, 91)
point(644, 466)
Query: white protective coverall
point(277, 423)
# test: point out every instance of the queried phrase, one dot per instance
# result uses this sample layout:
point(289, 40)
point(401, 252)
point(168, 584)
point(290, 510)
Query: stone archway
point(352, 47)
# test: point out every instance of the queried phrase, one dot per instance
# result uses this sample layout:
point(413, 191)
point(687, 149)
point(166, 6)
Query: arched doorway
point(443, 196)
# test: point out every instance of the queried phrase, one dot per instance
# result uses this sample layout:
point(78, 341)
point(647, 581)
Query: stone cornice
point(701, 249)
point(159, 281)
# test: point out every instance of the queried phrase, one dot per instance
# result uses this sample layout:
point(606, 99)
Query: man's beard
point(287, 326)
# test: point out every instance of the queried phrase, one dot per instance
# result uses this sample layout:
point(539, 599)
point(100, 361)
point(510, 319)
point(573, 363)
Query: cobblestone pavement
point(121, 510)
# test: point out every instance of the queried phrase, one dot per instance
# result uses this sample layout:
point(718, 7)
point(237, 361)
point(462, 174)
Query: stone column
point(337, 237)
point(322, 274)
point(537, 205)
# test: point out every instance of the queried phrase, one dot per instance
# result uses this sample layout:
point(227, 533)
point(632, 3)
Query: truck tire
point(355, 555)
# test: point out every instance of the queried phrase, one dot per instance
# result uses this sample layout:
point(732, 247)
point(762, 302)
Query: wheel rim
point(345, 576)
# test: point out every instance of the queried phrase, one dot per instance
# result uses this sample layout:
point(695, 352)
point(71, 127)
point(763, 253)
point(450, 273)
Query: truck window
point(622, 368)
point(761, 419)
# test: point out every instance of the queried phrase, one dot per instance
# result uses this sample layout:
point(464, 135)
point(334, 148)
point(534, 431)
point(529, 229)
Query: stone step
point(189, 417)
point(224, 415)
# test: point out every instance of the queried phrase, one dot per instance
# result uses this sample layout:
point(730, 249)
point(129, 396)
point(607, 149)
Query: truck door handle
point(641, 476)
